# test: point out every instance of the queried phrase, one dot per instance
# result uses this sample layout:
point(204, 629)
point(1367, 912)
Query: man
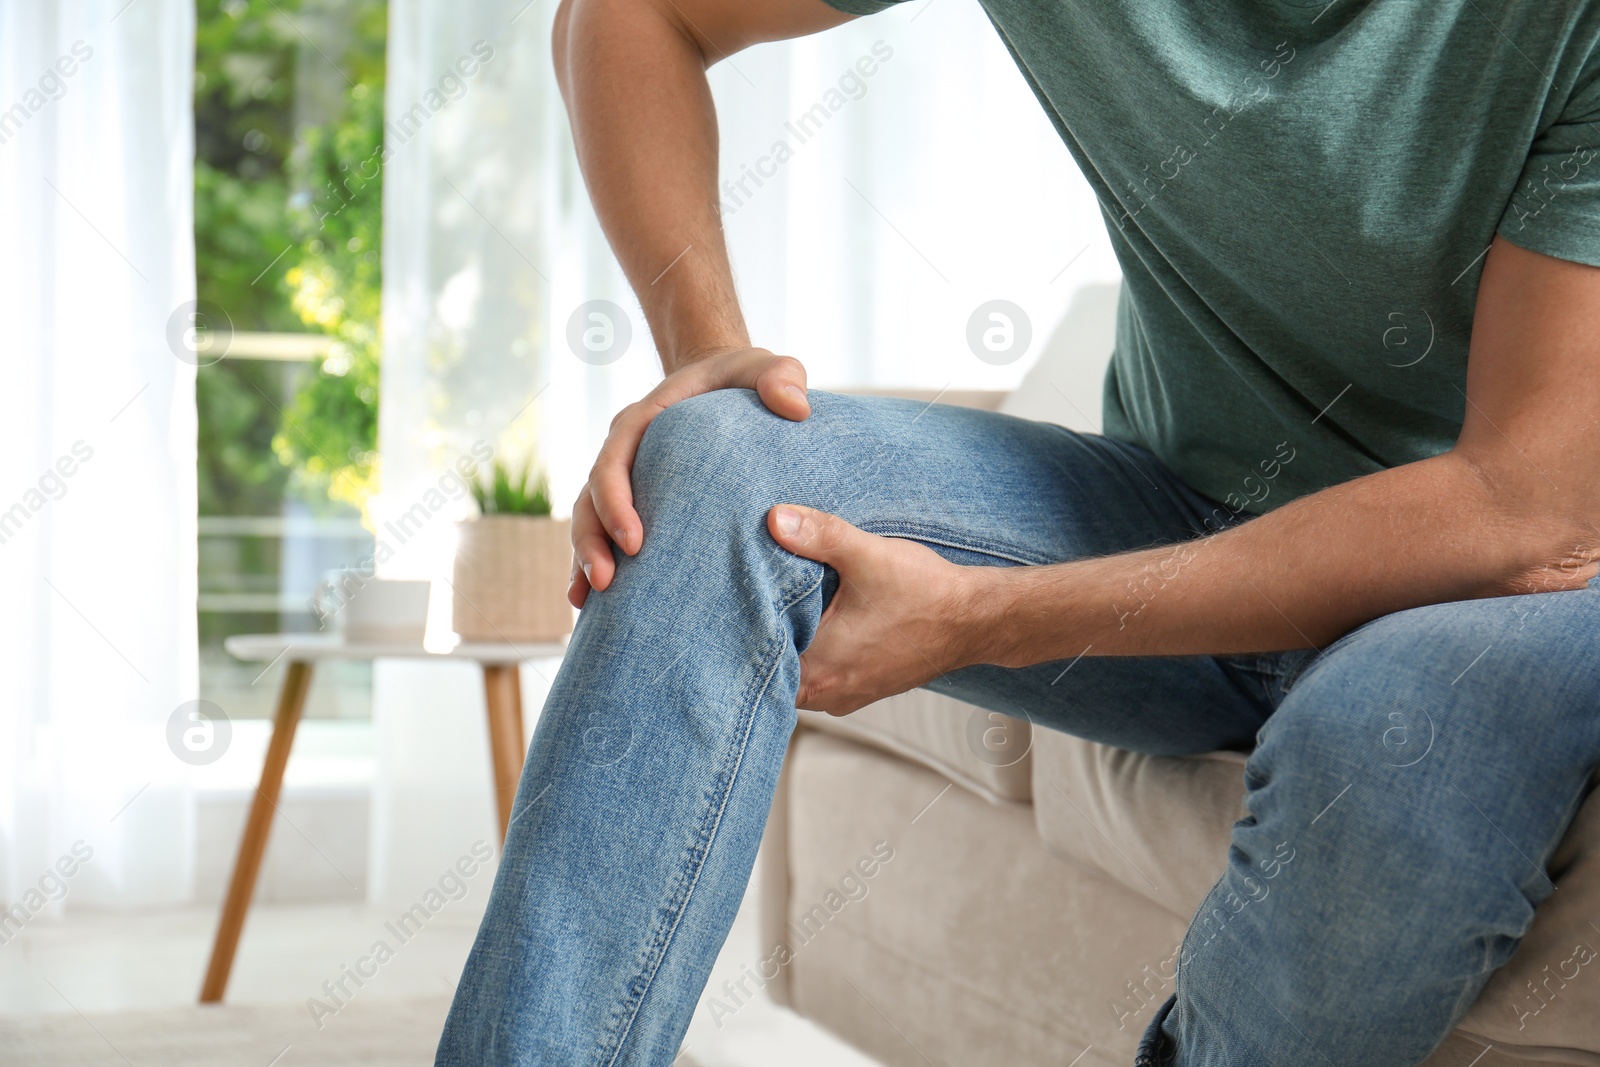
point(1293, 538)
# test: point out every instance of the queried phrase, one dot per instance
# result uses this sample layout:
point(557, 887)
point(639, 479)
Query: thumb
point(815, 534)
point(782, 388)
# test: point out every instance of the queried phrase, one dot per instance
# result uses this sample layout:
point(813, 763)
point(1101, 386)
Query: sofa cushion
point(981, 751)
point(1158, 825)
point(1161, 827)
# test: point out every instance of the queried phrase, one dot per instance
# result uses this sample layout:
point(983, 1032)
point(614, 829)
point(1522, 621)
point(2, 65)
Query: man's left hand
point(902, 614)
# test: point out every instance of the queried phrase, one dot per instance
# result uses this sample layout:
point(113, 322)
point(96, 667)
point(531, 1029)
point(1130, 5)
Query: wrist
point(693, 328)
point(683, 356)
point(985, 613)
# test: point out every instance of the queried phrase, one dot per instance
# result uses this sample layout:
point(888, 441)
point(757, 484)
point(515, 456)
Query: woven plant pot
point(511, 579)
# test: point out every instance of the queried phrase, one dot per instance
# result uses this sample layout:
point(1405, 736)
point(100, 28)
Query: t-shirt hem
point(862, 7)
point(1577, 243)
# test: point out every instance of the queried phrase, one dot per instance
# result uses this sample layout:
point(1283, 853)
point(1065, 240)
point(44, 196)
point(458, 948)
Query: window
point(288, 100)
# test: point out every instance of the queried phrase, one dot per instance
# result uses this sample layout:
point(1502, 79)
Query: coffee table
point(502, 690)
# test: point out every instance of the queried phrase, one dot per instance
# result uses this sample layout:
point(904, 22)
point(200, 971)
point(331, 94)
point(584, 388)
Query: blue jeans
point(1406, 786)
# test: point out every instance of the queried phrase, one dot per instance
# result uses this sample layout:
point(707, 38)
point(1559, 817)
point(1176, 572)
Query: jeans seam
point(789, 600)
point(663, 941)
point(936, 535)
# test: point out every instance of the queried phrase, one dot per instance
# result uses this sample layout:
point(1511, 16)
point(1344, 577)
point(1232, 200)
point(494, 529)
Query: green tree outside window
point(288, 202)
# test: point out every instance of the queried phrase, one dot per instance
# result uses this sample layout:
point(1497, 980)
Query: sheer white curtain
point(475, 202)
point(918, 180)
point(97, 451)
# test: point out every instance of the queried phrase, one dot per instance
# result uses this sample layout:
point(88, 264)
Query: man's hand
point(603, 513)
point(901, 616)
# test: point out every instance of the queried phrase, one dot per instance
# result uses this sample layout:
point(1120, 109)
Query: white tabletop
point(329, 646)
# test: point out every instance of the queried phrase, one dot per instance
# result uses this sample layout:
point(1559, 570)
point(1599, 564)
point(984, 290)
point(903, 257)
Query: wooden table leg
point(502, 688)
point(291, 701)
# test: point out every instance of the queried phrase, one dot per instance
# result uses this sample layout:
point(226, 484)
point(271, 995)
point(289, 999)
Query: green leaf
point(525, 492)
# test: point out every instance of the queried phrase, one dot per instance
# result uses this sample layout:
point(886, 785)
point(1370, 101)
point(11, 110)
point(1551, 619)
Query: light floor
point(96, 963)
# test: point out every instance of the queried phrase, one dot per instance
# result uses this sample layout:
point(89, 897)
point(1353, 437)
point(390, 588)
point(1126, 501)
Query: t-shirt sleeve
point(1556, 206)
point(862, 7)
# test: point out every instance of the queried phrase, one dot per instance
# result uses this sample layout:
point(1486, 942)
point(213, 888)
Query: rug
point(395, 1033)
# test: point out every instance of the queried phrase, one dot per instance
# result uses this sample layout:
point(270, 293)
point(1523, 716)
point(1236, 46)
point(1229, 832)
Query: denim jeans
point(1406, 786)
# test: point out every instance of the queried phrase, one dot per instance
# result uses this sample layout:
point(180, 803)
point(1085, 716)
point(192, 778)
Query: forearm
point(633, 75)
point(1298, 577)
point(645, 130)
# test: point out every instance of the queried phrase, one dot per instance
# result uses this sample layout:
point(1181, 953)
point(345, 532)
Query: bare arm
point(1513, 508)
point(632, 73)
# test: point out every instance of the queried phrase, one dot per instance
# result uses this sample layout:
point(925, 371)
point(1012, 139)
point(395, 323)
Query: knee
point(1453, 683)
point(1360, 706)
point(723, 445)
point(1352, 798)
point(707, 472)
point(1394, 750)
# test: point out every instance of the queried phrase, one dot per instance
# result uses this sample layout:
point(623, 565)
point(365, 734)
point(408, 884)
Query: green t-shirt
point(1300, 195)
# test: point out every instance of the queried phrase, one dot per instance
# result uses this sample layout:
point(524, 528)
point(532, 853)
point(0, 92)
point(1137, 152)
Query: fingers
point(610, 481)
point(782, 388)
point(593, 565)
point(817, 694)
point(804, 699)
point(578, 591)
point(817, 535)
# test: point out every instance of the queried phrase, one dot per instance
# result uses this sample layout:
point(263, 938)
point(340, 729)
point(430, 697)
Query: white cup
point(387, 610)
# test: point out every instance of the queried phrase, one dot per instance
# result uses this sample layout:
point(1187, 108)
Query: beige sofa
point(1033, 897)
point(946, 886)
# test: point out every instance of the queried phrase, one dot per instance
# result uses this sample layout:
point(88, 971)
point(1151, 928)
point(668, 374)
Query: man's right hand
point(603, 514)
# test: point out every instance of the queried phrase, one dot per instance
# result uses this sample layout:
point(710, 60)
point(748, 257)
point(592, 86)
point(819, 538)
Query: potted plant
point(512, 561)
